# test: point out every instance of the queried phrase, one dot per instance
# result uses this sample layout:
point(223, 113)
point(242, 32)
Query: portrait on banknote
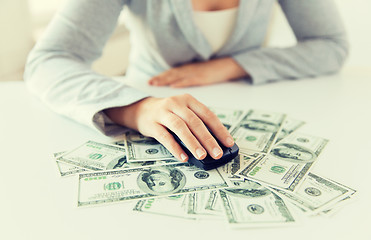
point(117, 164)
point(137, 138)
point(248, 188)
point(292, 152)
point(161, 180)
point(260, 125)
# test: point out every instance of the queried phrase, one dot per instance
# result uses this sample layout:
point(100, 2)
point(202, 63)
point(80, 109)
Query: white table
point(36, 203)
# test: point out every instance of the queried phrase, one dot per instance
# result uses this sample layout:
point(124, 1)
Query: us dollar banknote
point(95, 156)
point(145, 182)
point(230, 169)
point(228, 117)
point(66, 169)
point(70, 170)
point(333, 208)
point(173, 206)
point(316, 194)
point(142, 148)
point(196, 205)
point(290, 125)
point(258, 130)
point(287, 163)
point(249, 204)
point(213, 203)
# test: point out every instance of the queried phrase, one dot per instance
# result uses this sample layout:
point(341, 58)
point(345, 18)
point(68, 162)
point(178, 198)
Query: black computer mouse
point(208, 162)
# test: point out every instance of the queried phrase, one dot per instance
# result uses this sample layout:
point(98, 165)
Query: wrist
point(229, 68)
point(126, 115)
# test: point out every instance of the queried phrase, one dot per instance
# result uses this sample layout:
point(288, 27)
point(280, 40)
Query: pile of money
point(268, 184)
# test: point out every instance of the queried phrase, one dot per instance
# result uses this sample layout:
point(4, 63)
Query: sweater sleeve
point(321, 48)
point(58, 69)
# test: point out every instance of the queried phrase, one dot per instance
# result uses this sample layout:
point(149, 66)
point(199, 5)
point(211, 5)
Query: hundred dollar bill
point(135, 164)
point(213, 203)
point(229, 117)
point(66, 169)
point(251, 205)
point(70, 170)
point(95, 156)
point(141, 148)
point(173, 206)
point(196, 205)
point(331, 210)
point(290, 125)
point(316, 193)
point(287, 163)
point(145, 182)
point(258, 130)
point(230, 169)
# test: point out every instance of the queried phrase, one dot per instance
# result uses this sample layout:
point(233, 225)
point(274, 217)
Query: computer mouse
point(208, 162)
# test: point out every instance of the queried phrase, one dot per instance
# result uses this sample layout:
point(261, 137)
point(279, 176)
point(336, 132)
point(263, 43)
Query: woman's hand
point(202, 73)
point(183, 115)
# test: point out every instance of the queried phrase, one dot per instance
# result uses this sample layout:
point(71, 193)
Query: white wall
point(15, 35)
point(357, 17)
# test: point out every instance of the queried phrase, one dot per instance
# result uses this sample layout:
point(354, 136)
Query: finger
point(164, 79)
point(212, 121)
point(180, 128)
point(162, 135)
point(203, 135)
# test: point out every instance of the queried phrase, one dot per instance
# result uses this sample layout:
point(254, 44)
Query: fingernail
point(200, 153)
point(216, 152)
point(230, 141)
point(183, 157)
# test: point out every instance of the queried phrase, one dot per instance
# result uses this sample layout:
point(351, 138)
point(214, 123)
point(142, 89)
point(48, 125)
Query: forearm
point(200, 73)
point(322, 45)
point(227, 69)
point(307, 59)
point(58, 69)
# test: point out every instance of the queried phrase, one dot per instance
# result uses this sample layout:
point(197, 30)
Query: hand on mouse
point(183, 115)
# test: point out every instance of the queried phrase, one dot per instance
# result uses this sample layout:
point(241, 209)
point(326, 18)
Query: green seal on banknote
point(222, 116)
point(95, 156)
point(250, 138)
point(163, 180)
point(113, 186)
point(278, 169)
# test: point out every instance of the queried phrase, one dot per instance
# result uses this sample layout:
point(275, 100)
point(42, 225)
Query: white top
point(216, 26)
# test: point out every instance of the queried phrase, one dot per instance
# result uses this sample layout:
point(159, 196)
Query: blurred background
point(22, 22)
